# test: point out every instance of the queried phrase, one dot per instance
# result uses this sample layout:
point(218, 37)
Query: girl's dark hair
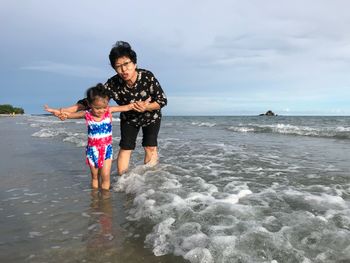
point(121, 49)
point(97, 91)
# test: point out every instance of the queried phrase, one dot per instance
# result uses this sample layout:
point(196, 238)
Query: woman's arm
point(142, 106)
point(121, 108)
point(158, 95)
point(71, 109)
point(55, 112)
point(152, 106)
point(75, 115)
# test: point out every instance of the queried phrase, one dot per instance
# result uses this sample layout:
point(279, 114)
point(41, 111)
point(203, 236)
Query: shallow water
point(49, 213)
point(228, 189)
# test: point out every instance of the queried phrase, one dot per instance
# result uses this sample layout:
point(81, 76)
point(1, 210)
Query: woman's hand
point(142, 106)
point(51, 110)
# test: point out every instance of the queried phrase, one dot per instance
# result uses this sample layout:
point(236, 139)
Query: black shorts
point(129, 133)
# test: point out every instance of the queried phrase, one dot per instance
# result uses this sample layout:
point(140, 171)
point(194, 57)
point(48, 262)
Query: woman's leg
point(128, 134)
point(150, 143)
point(123, 161)
point(105, 173)
point(151, 155)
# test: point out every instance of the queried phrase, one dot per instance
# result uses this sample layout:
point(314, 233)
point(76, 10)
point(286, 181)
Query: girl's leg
point(123, 161)
point(105, 173)
point(94, 177)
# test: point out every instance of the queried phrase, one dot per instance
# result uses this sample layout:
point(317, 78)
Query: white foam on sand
point(202, 222)
point(164, 197)
point(204, 124)
point(289, 129)
point(46, 133)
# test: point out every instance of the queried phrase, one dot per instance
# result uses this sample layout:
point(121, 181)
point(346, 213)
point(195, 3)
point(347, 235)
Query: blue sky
point(223, 57)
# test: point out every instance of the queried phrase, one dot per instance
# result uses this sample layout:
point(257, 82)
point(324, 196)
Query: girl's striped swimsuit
point(99, 146)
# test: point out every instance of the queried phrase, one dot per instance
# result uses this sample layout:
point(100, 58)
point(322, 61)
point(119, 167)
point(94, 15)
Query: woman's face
point(125, 68)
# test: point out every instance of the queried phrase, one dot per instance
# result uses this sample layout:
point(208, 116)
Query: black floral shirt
point(146, 86)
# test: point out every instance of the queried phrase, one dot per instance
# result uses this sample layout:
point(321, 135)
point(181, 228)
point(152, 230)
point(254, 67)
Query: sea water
point(227, 189)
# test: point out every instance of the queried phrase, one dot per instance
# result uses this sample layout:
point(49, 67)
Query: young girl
point(99, 151)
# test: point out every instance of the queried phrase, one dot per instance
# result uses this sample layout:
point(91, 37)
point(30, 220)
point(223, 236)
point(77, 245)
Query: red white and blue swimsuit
point(99, 146)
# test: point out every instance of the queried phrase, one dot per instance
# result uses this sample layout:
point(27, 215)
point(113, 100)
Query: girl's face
point(125, 68)
point(99, 107)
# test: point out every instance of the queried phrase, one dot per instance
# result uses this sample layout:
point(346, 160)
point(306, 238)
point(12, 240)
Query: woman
point(132, 85)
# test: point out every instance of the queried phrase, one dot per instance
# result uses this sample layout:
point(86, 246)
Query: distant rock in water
point(268, 113)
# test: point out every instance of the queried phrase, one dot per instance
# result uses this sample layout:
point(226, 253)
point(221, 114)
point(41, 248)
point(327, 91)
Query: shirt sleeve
point(112, 90)
point(157, 93)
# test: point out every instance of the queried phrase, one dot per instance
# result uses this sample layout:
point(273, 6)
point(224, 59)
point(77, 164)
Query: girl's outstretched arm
point(62, 113)
point(68, 115)
point(121, 108)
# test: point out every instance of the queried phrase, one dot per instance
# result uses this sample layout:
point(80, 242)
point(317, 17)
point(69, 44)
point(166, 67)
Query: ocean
point(227, 189)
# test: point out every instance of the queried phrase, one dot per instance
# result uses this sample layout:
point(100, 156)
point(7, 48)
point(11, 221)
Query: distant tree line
point(9, 109)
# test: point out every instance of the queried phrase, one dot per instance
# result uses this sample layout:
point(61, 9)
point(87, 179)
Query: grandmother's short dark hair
point(121, 49)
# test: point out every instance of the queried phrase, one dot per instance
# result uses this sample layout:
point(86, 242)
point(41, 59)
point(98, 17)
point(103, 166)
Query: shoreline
point(10, 115)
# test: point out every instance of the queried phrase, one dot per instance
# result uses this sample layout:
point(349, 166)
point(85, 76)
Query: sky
point(222, 57)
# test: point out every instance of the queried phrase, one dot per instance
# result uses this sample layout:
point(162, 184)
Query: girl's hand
point(131, 106)
point(62, 115)
point(58, 113)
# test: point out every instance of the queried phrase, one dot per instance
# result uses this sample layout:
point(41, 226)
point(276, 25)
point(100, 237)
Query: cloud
point(67, 70)
point(258, 53)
